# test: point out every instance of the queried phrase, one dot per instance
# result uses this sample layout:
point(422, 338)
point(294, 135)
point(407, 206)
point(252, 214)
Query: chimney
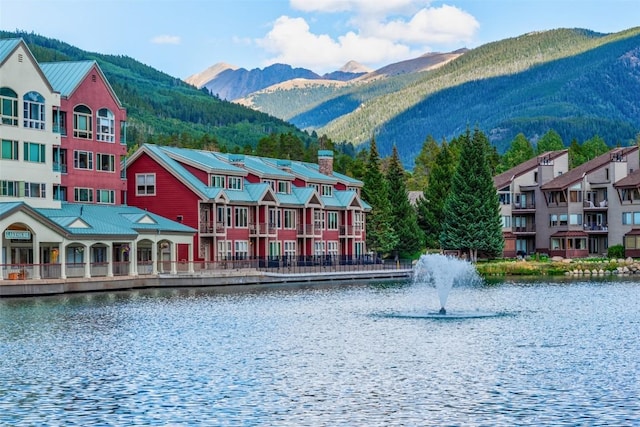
point(325, 162)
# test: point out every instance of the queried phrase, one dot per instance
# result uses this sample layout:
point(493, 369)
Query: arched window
point(33, 112)
point(105, 126)
point(8, 107)
point(82, 123)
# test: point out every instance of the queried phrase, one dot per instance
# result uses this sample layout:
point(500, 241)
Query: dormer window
point(271, 183)
point(235, 183)
point(217, 181)
point(314, 186)
point(327, 190)
point(284, 187)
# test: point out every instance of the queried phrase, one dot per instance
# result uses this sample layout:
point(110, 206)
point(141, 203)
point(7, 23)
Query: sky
point(185, 37)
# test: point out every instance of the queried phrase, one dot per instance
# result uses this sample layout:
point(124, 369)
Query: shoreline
point(44, 287)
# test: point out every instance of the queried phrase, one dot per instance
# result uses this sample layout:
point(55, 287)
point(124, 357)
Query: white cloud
point(166, 39)
point(377, 32)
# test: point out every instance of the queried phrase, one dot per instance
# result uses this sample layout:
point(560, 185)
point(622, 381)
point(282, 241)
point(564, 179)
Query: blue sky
point(184, 37)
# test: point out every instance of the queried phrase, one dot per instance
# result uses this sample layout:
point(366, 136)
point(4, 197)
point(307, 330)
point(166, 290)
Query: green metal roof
point(6, 47)
point(66, 76)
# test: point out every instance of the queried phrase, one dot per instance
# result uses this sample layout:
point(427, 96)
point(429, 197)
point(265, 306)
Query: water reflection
point(323, 355)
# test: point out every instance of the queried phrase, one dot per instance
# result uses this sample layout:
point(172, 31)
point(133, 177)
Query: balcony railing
point(522, 206)
point(529, 228)
point(598, 204)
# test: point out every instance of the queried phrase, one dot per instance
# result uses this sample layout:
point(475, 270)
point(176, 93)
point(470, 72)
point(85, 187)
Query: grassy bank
point(547, 267)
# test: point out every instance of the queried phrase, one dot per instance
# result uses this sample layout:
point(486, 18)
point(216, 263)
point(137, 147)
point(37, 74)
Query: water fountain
point(443, 273)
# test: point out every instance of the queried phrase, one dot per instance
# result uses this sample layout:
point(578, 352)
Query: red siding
point(198, 173)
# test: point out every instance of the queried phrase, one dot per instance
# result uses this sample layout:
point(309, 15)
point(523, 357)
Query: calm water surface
point(338, 355)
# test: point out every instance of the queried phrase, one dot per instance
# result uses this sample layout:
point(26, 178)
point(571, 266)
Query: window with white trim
point(289, 218)
point(105, 126)
point(35, 190)
point(235, 183)
point(145, 184)
point(9, 150)
point(105, 162)
point(82, 123)
point(83, 159)
point(106, 196)
point(318, 219)
point(241, 249)
point(575, 219)
point(224, 249)
point(33, 111)
point(284, 187)
point(274, 218)
point(327, 190)
point(229, 217)
point(332, 220)
point(34, 152)
point(271, 183)
point(217, 181)
point(83, 194)
point(10, 188)
point(332, 248)
point(275, 249)
point(242, 215)
point(358, 221)
point(318, 248)
point(8, 107)
point(314, 186)
point(290, 248)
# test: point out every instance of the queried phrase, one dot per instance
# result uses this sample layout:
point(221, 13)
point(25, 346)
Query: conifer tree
point(472, 220)
point(405, 225)
point(423, 165)
point(381, 237)
point(550, 141)
point(519, 151)
point(430, 208)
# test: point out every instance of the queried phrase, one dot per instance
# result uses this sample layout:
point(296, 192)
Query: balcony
point(350, 230)
point(529, 228)
point(59, 167)
point(524, 206)
point(595, 205)
point(596, 228)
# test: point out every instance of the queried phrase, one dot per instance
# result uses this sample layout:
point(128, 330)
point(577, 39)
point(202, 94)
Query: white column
point(133, 258)
point(2, 262)
point(190, 256)
point(110, 259)
point(174, 258)
point(154, 258)
point(63, 260)
point(87, 262)
point(36, 256)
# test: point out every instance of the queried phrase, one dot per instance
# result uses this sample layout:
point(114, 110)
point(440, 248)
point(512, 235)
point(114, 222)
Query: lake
point(360, 354)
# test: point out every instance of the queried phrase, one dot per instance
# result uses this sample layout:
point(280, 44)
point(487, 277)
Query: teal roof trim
point(65, 77)
point(7, 46)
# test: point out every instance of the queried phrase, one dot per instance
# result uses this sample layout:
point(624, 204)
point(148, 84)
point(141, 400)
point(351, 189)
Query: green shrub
point(615, 251)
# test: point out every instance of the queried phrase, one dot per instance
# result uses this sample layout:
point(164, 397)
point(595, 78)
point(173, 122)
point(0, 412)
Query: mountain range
point(575, 81)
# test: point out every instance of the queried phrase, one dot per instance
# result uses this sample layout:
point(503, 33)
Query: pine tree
point(430, 208)
point(472, 220)
point(520, 151)
point(405, 225)
point(423, 165)
point(380, 234)
point(550, 141)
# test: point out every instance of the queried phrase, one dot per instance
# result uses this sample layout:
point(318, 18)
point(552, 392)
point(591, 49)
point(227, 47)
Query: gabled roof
point(576, 174)
point(503, 179)
point(259, 166)
point(8, 46)
point(65, 77)
point(630, 181)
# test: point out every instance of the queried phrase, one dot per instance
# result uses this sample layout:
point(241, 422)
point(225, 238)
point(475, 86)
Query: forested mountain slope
point(158, 104)
point(577, 82)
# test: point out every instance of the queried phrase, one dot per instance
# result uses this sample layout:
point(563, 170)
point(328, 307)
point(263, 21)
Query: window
point(318, 248)
point(327, 190)
point(275, 249)
point(358, 221)
point(105, 162)
point(271, 183)
point(82, 127)
point(217, 181)
point(290, 248)
point(332, 248)
point(506, 222)
point(33, 112)
point(289, 218)
point(145, 184)
point(315, 187)
point(241, 217)
point(626, 218)
point(274, 218)
point(332, 220)
point(318, 220)
point(575, 219)
point(224, 250)
point(9, 150)
point(557, 244)
point(235, 183)
point(241, 249)
point(106, 196)
point(105, 126)
point(636, 218)
point(220, 216)
point(630, 242)
point(35, 190)
point(123, 132)
point(83, 160)
point(59, 193)
point(10, 188)
point(34, 152)
point(83, 195)
point(284, 187)
point(60, 122)
point(8, 107)
point(562, 219)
